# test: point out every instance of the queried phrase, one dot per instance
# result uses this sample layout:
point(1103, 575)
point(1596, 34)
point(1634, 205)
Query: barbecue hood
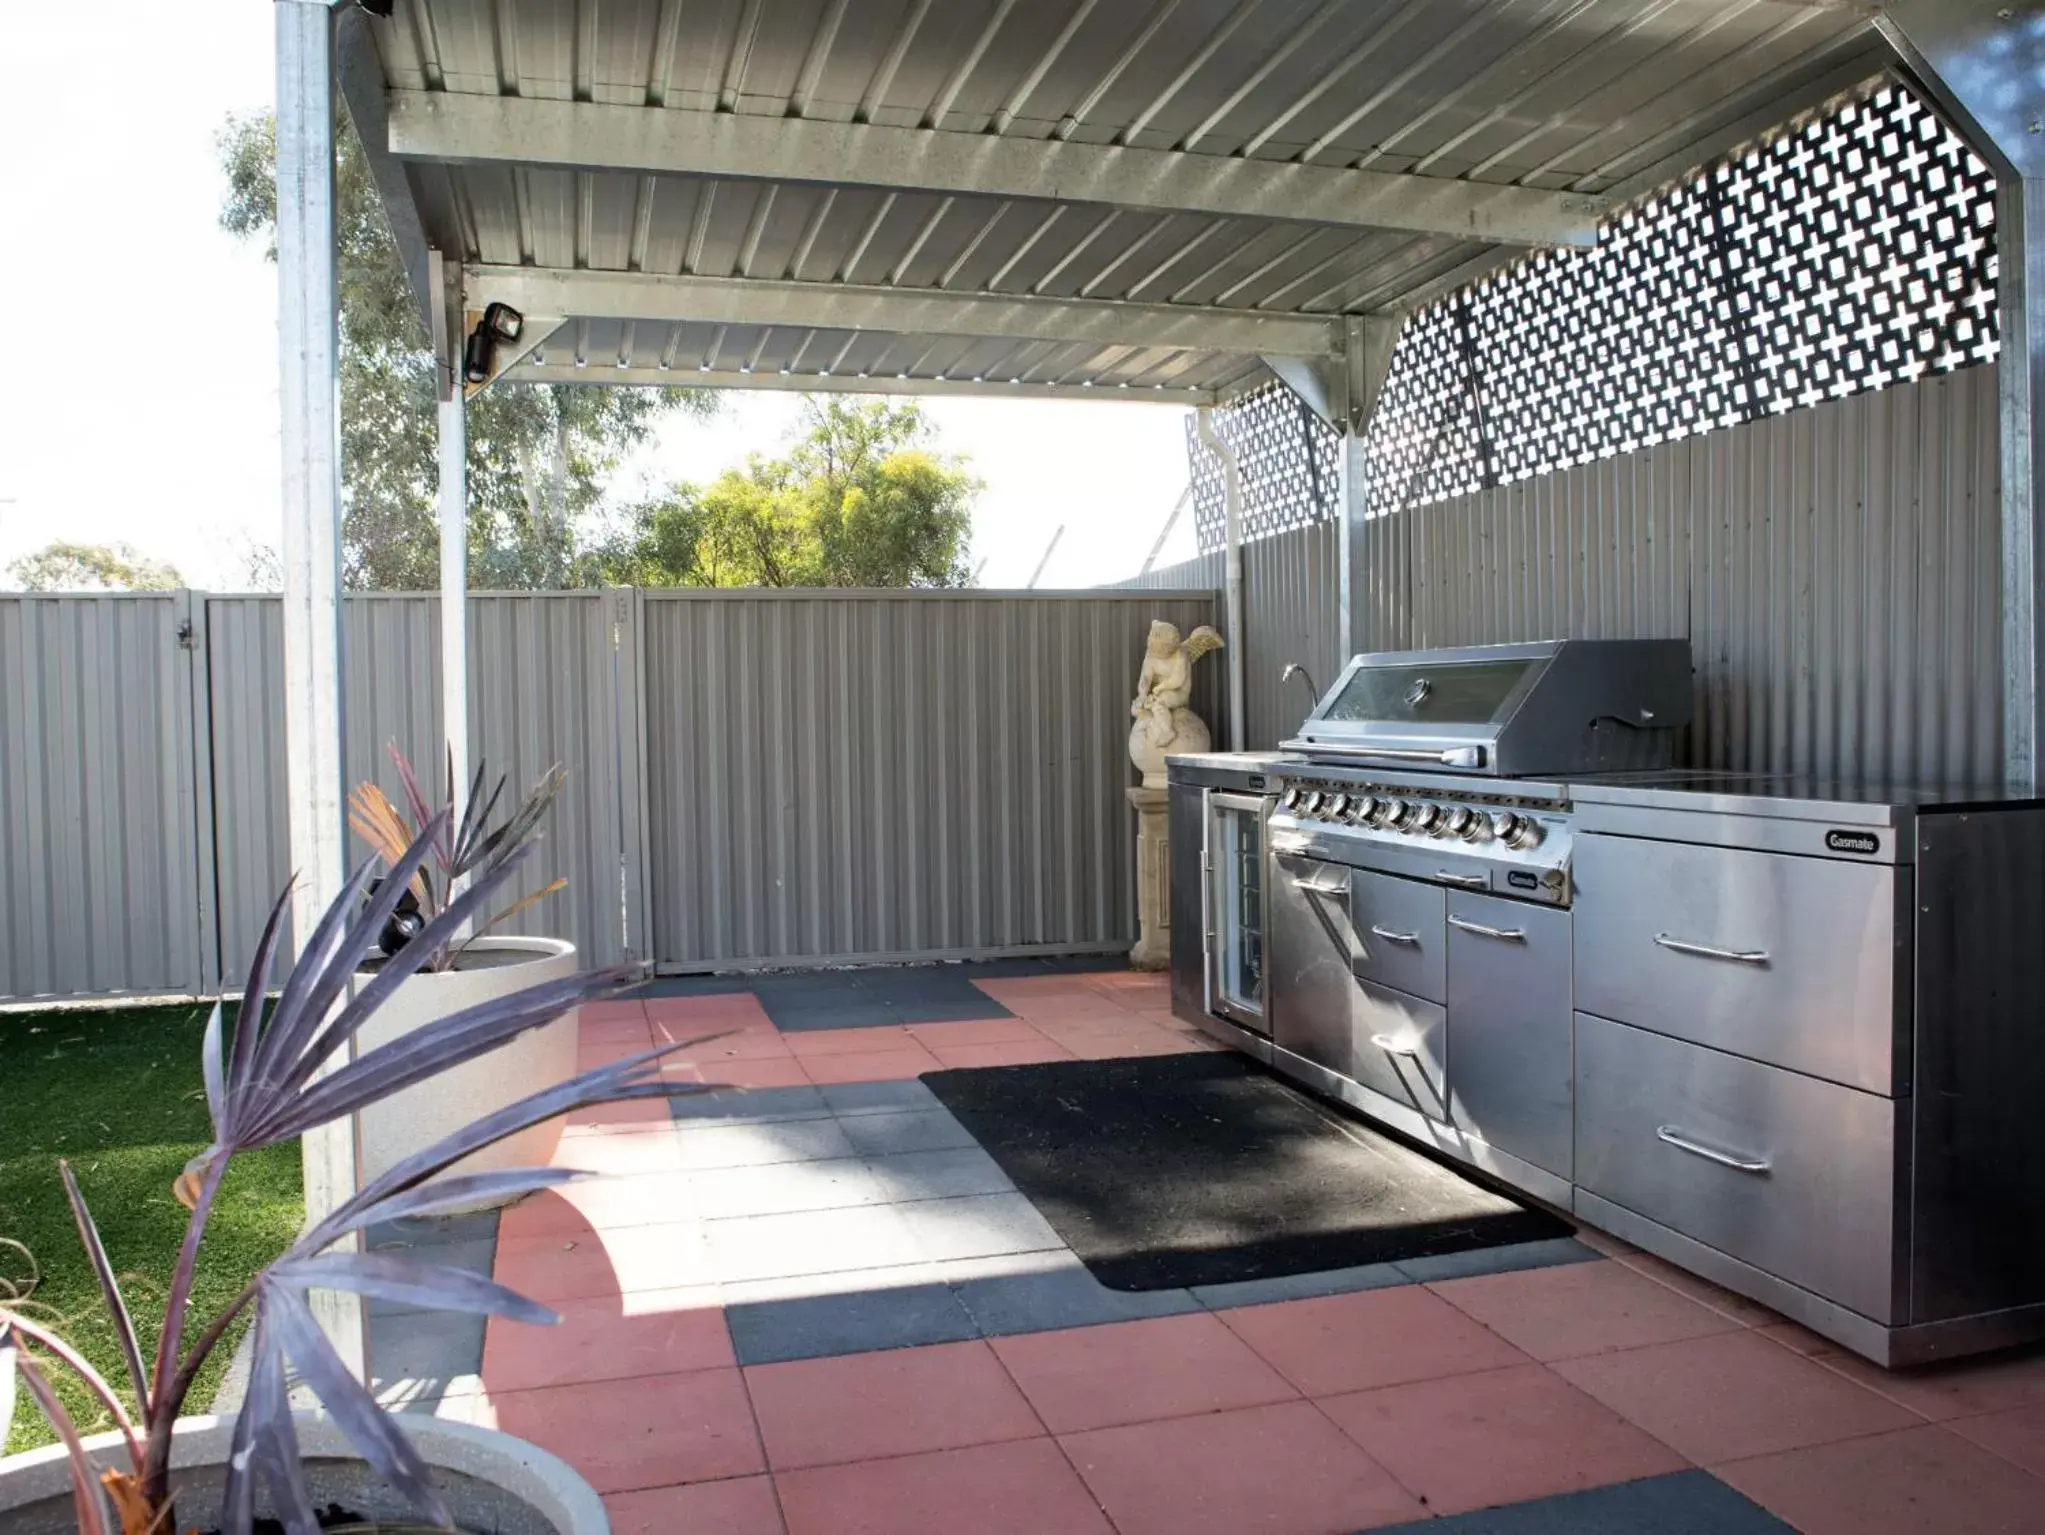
point(1550, 708)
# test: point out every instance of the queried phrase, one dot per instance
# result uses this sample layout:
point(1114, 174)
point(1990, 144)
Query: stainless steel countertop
point(1785, 796)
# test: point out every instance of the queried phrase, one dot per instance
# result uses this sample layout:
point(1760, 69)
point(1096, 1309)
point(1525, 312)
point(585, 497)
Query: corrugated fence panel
point(841, 776)
point(1291, 598)
point(543, 678)
point(100, 865)
point(540, 692)
point(1835, 569)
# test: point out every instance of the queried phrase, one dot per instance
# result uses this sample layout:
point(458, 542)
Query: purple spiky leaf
point(213, 1068)
point(109, 1286)
point(85, 1498)
point(248, 1023)
point(265, 1445)
point(468, 1190)
point(372, 1431)
point(430, 1050)
point(407, 1282)
point(7, 1353)
point(315, 954)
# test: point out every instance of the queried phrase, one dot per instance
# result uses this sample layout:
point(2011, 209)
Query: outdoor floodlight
point(477, 355)
point(503, 322)
point(377, 7)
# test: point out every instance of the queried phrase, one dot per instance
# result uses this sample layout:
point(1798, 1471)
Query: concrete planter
point(414, 1119)
point(491, 1481)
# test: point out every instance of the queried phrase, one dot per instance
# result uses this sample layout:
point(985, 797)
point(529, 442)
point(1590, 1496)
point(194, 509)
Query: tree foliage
point(539, 456)
point(859, 500)
point(63, 567)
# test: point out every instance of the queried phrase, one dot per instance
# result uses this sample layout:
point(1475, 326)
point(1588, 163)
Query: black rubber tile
point(692, 986)
point(879, 1097)
point(1055, 964)
point(962, 1008)
point(1687, 1503)
point(856, 1011)
point(857, 1322)
point(1311, 1286)
point(429, 1348)
point(1497, 1260)
point(1006, 1304)
point(1171, 1172)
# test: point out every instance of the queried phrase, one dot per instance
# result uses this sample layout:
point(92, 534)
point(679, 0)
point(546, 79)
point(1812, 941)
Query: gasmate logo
point(1520, 879)
point(1853, 842)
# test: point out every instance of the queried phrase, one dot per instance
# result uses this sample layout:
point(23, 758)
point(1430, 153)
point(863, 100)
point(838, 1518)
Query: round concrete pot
point(491, 1481)
point(417, 1117)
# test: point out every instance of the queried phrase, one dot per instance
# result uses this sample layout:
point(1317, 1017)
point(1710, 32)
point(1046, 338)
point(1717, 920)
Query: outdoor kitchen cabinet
point(1511, 1058)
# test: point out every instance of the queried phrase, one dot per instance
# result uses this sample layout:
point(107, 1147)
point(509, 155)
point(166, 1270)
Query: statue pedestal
point(1153, 949)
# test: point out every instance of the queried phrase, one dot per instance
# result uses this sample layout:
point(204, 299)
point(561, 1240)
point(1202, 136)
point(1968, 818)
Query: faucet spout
point(1294, 669)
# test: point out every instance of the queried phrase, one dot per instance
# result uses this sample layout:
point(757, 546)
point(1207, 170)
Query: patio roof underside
point(1062, 197)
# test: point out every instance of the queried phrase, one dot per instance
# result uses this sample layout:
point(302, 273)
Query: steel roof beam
point(436, 125)
point(360, 79)
point(603, 375)
point(536, 291)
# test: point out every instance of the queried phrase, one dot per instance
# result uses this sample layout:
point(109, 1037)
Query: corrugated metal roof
point(1589, 97)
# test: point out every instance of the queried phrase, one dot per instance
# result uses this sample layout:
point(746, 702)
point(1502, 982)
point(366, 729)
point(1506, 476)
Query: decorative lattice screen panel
point(1851, 254)
point(1290, 461)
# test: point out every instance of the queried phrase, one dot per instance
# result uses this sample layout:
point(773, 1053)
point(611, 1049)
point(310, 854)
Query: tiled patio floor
point(818, 1308)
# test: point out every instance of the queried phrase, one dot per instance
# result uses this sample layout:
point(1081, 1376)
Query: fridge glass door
point(1235, 872)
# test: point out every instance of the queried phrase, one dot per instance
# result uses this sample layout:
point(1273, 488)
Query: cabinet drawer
point(1795, 961)
point(1510, 1056)
point(1401, 1047)
point(1795, 1176)
point(1399, 934)
point(1310, 977)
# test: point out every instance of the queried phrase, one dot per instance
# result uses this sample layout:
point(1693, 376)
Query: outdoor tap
point(1294, 669)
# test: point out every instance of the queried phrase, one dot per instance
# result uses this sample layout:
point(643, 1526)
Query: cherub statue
point(1163, 689)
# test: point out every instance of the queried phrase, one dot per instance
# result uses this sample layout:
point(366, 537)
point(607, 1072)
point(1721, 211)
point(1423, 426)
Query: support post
point(1979, 59)
point(309, 396)
point(1368, 342)
point(1232, 514)
point(453, 510)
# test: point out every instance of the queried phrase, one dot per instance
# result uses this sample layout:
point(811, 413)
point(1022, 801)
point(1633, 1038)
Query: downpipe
point(1232, 521)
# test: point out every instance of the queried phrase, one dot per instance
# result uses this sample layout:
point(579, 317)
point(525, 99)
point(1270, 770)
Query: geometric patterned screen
point(1851, 254)
point(1288, 458)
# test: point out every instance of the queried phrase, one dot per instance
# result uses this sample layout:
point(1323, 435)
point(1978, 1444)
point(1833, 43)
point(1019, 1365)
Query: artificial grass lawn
point(119, 1094)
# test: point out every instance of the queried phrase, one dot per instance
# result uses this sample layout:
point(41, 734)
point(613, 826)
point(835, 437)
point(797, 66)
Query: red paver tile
point(622, 1010)
point(1713, 1297)
point(1581, 1308)
point(590, 1056)
point(1014, 1052)
point(595, 1036)
point(654, 1332)
point(1731, 1396)
point(2018, 1435)
point(762, 1042)
point(1003, 987)
point(707, 1012)
point(1279, 1470)
point(974, 1031)
point(1500, 1436)
point(1128, 1046)
point(763, 1071)
point(820, 1412)
point(870, 1066)
point(1919, 1481)
point(815, 1042)
point(1604, 1242)
point(1023, 1488)
point(600, 1204)
point(1341, 1343)
point(1132, 1372)
point(633, 1111)
point(743, 1505)
point(648, 1431)
point(1963, 1389)
point(1092, 1008)
point(625, 1261)
point(622, 1149)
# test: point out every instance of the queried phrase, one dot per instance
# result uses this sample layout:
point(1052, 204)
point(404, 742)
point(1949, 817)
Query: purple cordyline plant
point(263, 1087)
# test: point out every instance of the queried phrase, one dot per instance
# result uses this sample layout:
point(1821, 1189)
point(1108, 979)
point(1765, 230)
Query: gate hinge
point(187, 636)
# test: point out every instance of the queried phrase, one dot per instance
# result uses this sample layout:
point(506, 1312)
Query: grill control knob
point(1462, 821)
point(1337, 807)
point(1289, 800)
point(1516, 831)
point(1400, 816)
point(1427, 818)
point(1363, 810)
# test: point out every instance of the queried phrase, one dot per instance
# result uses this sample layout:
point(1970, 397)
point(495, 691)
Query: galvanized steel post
point(1232, 509)
point(309, 397)
point(1981, 61)
point(453, 508)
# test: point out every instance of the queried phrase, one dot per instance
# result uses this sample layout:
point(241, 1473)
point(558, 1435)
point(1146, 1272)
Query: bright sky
point(139, 401)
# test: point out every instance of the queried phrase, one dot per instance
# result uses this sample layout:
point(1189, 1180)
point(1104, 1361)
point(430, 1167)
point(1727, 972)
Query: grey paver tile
point(923, 1130)
point(1687, 1503)
point(1062, 1295)
point(1262, 1292)
point(1496, 1260)
point(913, 1175)
point(752, 1105)
point(758, 1145)
point(812, 1242)
point(852, 1322)
point(978, 1226)
point(849, 1098)
point(781, 1188)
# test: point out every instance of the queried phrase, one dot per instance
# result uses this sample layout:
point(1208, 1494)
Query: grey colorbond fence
point(753, 777)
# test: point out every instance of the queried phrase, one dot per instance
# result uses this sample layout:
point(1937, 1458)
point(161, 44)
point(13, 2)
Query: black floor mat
point(1169, 1171)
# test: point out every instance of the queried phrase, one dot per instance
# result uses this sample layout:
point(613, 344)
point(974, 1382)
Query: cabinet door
point(1510, 1056)
point(1310, 985)
point(1398, 933)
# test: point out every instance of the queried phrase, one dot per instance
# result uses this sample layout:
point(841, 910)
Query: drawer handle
point(1706, 951)
point(1392, 1044)
point(1390, 936)
point(1332, 892)
point(1466, 881)
point(1508, 934)
point(1682, 1142)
